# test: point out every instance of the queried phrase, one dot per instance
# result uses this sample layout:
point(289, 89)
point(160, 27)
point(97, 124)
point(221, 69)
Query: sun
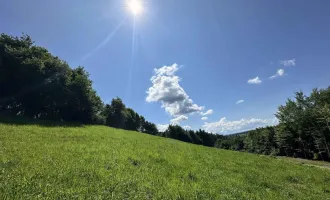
point(135, 6)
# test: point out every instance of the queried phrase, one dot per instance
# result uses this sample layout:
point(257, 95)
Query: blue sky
point(205, 53)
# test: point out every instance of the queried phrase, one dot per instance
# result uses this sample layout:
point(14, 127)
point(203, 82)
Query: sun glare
point(135, 6)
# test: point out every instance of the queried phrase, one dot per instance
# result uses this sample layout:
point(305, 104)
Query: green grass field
point(97, 162)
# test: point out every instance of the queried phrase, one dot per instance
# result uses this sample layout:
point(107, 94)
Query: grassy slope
point(98, 162)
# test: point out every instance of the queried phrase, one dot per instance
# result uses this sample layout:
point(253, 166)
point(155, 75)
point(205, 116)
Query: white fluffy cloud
point(208, 112)
point(204, 118)
point(167, 90)
point(179, 119)
point(279, 73)
point(186, 127)
point(240, 101)
point(224, 126)
point(255, 80)
point(288, 63)
point(162, 127)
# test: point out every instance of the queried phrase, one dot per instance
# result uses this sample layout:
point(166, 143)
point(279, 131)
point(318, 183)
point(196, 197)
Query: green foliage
point(98, 162)
point(303, 131)
point(116, 113)
point(177, 132)
point(304, 125)
point(118, 116)
point(195, 137)
point(260, 141)
point(38, 85)
point(148, 127)
point(232, 142)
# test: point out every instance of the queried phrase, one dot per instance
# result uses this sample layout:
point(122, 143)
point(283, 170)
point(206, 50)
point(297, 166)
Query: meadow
point(99, 162)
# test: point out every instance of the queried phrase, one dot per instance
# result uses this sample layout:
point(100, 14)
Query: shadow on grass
point(29, 121)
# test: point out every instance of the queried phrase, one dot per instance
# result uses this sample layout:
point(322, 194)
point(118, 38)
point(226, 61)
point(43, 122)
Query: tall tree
point(116, 113)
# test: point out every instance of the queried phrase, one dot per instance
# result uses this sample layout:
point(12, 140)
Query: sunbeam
point(104, 42)
point(128, 87)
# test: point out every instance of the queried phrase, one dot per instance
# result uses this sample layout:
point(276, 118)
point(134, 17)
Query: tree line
point(303, 130)
point(36, 84)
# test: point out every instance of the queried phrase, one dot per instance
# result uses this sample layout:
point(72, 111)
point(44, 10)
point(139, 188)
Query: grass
point(97, 162)
point(315, 163)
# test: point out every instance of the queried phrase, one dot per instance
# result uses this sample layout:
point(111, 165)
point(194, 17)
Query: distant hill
point(98, 162)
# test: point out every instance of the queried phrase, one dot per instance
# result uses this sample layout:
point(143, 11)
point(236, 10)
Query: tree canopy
point(36, 84)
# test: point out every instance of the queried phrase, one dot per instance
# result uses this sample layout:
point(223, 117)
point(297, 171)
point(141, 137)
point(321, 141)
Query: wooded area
point(303, 130)
point(36, 84)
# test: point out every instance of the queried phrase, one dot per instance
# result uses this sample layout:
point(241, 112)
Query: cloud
point(208, 112)
point(288, 63)
point(225, 126)
point(167, 90)
point(240, 101)
point(255, 80)
point(204, 118)
point(162, 127)
point(279, 73)
point(179, 119)
point(186, 127)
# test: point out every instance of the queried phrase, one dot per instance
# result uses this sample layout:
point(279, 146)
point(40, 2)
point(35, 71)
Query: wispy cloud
point(240, 101)
point(255, 80)
point(204, 118)
point(179, 119)
point(167, 90)
point(225, 126)
point(208, 112)
point(288, 63)
point(279, 73)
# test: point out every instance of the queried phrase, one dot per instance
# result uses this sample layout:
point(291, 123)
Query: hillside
point(98, 162)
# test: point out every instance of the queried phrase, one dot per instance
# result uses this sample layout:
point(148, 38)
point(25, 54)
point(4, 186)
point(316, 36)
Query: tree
point(195, 139)
point(177, 132)
point(207, 139)
point(36, 84)
point(148, 127)
point(116, 113)
point(132, 120)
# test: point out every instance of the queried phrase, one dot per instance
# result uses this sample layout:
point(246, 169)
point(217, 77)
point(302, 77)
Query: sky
point(219, 65)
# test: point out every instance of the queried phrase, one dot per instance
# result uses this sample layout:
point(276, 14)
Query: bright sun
point(135, 6)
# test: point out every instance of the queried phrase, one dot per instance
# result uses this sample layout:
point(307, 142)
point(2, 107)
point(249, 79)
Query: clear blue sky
point(218, 46)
